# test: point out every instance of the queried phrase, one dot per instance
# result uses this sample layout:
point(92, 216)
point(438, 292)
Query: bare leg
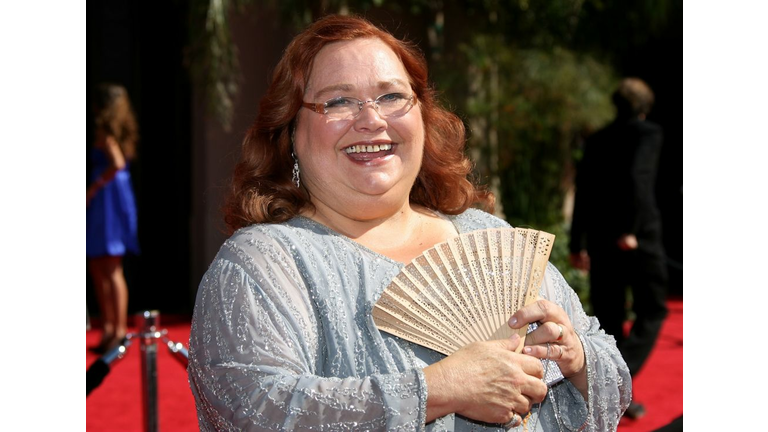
point(119, 297)
point(112, 292)
point(102, 285)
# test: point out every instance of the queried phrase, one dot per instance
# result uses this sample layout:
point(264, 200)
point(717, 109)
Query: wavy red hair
point(261, 189)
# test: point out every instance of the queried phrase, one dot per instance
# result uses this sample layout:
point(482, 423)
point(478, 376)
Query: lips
point(367, 152)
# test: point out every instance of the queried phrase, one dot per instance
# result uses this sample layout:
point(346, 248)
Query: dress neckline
point(329, 230)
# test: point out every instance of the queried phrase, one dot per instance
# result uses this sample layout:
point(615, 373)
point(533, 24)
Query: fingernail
point(512, 321)
point(527, 350)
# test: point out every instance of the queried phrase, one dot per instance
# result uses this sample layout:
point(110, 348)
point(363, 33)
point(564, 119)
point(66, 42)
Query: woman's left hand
point(555, 329)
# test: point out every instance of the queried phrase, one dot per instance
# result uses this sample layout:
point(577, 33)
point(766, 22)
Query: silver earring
point(296, 171)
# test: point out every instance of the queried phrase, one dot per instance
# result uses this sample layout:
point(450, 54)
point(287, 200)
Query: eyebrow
point(382, 85)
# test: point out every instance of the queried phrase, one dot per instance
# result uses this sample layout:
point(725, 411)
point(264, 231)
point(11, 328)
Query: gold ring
point(560, 337)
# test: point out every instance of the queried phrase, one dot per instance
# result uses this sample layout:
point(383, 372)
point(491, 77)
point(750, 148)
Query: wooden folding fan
point(464, 290)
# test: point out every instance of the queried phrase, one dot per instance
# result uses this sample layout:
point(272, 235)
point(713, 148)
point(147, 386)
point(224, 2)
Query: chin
point(375, 191)
point(379, 186)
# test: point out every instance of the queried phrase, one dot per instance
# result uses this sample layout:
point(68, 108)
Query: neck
point(357, 226)
point(400, 236)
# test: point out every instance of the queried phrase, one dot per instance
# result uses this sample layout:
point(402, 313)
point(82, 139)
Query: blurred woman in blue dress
point(111, 216)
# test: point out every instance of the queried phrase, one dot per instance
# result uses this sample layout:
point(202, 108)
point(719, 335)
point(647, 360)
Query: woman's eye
point(339, 102)
point(392, 97)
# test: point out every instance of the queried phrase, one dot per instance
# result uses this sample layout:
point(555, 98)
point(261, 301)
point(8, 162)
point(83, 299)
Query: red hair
point(261, 189)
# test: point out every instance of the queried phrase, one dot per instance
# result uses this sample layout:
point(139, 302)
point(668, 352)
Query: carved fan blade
point(465, 289)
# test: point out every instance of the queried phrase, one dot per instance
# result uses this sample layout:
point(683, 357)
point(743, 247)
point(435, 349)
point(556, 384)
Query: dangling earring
point(296, 171)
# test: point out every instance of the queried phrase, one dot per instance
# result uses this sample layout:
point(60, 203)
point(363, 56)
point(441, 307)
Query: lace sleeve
point(610, 385)
point(256, 350)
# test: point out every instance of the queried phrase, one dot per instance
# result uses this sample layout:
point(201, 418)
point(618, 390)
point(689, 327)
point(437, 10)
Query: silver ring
point(548, 348)
point(560, 337)
point(515, 422)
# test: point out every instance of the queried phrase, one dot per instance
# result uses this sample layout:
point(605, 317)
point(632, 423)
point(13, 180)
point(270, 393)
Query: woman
point(111, 222)
point(350, 171)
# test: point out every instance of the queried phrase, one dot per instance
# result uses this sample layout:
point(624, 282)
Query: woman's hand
point(556, 331)
point(485, 381)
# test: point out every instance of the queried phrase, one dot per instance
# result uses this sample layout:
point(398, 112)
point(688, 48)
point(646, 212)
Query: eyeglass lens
point(391, 104)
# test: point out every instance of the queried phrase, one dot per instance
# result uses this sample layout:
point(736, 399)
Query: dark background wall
point(185, 156)
point(140, 45)
point(656, 62)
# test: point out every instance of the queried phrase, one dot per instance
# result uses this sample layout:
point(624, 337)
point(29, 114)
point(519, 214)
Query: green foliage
point(213, 56)
point(551, 97)
point(577, 279)
point(535, 103)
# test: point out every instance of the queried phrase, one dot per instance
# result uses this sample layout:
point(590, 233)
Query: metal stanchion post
point(180, 353)
point(149, 333)
point(150, 320)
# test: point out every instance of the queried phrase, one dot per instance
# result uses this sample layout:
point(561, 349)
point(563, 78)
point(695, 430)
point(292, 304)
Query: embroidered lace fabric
point(282, 339)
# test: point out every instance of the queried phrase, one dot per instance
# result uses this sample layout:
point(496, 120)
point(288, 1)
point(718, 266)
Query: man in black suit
point(616, 226)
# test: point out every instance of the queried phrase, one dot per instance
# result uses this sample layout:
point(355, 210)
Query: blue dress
point(111, 217)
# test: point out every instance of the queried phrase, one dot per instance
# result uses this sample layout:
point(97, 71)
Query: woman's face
point(338, 168)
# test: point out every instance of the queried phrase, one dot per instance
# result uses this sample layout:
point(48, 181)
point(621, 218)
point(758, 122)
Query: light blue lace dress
point(282, 339)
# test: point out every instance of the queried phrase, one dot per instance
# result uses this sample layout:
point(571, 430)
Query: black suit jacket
point(615, 185)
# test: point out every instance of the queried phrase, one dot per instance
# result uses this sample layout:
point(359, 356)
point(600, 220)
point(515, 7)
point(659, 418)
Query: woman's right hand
point(486, 381)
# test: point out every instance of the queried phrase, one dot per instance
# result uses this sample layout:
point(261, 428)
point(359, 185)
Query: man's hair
point(633, 97)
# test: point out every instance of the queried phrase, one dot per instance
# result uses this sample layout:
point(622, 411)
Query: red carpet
point(116, 404)
point(659, 385)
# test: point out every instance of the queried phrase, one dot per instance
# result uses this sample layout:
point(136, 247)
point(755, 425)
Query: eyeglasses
point(347, 108)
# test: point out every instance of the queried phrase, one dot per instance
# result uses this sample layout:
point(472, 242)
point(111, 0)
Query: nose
point(369, 101)
point(369, 119)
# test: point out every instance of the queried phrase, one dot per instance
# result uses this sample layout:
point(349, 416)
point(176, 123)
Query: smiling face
point(362, 168)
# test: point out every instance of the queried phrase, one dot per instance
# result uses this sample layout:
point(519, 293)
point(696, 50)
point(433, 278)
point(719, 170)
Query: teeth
point(368, 148)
